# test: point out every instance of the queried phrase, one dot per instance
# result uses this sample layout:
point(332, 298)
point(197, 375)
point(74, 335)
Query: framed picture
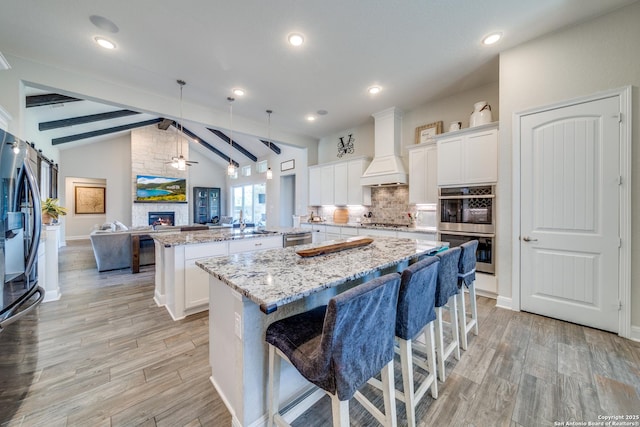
point(90, 200)
point(427, 132)
point(288, 165)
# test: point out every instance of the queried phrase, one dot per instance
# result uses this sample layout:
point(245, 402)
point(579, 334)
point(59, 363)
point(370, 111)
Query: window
point(261, 167)
point(251, 201)
point(246, 170)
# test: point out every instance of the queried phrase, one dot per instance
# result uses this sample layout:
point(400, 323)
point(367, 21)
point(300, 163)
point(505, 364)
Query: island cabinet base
point(238, 353)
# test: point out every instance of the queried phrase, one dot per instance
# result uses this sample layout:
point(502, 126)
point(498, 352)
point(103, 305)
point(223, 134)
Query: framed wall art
point(90, 200)
point(288, 165)
point(427, 133)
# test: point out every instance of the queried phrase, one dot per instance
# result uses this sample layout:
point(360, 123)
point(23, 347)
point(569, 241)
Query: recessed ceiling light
point(491, 39)
point(311, 118)
point(295, 39)
point(238, 92)
point(374, 90)
point(107, 44)
point(322, 112)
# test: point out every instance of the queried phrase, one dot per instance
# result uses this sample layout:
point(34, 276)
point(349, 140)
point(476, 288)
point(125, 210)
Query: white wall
point(75, 84)
point(108, 160)
point(299, 156)
point(597, 55)
point(454, 108)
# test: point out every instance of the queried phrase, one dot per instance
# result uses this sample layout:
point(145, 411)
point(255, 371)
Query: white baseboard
point(504, 302)
point(52, 295)
point(635, 333)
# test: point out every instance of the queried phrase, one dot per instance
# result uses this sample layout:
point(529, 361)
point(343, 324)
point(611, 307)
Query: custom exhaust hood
point(386, 168)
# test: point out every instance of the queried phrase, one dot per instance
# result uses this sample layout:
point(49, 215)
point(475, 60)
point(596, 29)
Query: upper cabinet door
point(469, 157)
point(450, 160)
point(341, 184)
point(315, 186)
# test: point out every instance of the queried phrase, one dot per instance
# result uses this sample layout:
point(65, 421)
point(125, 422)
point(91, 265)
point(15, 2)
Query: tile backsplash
point(388, 204)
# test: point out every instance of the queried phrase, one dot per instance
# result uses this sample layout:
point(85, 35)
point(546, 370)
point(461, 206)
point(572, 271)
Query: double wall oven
point(468, 213)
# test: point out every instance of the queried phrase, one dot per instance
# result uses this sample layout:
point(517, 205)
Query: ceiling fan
point(179, 161)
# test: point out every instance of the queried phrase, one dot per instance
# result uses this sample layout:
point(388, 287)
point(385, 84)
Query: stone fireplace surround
point(151, 149)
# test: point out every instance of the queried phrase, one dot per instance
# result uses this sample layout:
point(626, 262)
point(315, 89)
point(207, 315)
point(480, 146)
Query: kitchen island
point(180, 286)
point(249, 291)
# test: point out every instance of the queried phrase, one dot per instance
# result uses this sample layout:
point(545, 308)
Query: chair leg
point(340, 411)
point(462, 319)
point(273, 394)
point(474, 307)
point(388, 391)
point(453, 312)
point(431, 354)
point(406, 362)
point(439, 344)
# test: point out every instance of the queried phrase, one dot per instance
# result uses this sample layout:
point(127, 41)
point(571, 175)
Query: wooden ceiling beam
point(205, 144)
point(234, 144)
point(49, 99)
point(272, 146)
point(80, 120)
point(100, 132)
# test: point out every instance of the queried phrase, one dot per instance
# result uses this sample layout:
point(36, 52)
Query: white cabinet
point(254, 244)
point(356, 193)
point(326, 182)
point(377, 232)
point(339, 184)
point(332, 232)
point(315, 186)
point(423, 162)
point(415, 235)
point(196, 280)
point(183, 287)
point(468, 156)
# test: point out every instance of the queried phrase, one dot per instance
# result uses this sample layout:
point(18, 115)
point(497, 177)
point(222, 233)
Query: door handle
point(529, 239)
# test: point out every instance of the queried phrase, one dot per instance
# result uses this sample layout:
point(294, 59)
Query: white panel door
point(569, 238)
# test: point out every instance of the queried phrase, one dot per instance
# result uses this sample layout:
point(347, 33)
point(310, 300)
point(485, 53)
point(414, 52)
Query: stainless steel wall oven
point(468, 213)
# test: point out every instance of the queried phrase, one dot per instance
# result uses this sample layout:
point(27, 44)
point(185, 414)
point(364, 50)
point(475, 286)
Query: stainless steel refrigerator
point(20, 226)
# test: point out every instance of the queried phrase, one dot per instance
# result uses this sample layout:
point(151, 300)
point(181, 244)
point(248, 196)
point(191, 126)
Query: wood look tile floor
point(106, 355)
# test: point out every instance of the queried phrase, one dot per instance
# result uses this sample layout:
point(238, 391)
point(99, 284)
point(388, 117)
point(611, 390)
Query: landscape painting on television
point(160, 189)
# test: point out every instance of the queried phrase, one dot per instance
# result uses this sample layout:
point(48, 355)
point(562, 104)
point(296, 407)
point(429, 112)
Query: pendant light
point(269, 172)
point(179, 162)
point(231, 169)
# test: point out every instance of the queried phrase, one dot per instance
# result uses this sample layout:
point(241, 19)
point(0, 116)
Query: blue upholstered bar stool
point(415, 316)
point(416, 313)
point(339, 347)
point(467, 278)
point(446, 291)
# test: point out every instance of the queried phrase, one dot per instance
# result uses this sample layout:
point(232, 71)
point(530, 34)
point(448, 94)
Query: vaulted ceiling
point(415, 51)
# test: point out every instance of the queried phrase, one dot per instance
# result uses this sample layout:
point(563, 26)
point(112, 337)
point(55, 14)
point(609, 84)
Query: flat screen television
point(151, 188)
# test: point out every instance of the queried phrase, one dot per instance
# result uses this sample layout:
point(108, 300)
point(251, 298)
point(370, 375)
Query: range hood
point(386, 168)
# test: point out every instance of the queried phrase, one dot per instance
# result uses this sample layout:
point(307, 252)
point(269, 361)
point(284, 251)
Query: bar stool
point(446, 291)
point(415, 316)
point(467, 277)
point(339, 347)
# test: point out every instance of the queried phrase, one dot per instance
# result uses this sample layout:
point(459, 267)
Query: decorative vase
point(46, 218)
point(481, 114)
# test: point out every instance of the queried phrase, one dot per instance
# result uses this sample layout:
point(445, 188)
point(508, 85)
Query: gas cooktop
point(386, 224)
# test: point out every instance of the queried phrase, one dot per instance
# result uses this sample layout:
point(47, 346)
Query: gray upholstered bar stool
point(446, 291)
point(467, 278)
point(415, 316)
point(339, 347)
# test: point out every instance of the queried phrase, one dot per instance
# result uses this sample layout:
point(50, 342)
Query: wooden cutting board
point(353, 242)
point(341, 216)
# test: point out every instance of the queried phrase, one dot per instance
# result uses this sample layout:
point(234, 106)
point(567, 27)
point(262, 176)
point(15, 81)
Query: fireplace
point(162, 218)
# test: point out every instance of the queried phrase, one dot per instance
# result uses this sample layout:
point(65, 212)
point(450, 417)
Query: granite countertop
point(410, 229)
point(279, 276)
point(220, 235)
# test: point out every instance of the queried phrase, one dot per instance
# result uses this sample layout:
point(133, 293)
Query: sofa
point(112, 245)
